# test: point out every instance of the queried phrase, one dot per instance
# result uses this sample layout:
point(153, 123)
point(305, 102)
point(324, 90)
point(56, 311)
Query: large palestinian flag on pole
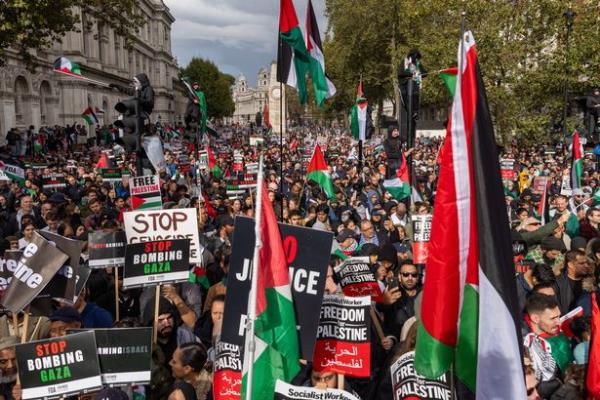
point(469, 315)
point(277, 349)
point(322, 86)
point(318, 172)
point(577, 162)
point(293, 59)
point(358, 116)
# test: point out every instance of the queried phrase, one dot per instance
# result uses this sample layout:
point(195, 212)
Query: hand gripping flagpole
point(250, 342)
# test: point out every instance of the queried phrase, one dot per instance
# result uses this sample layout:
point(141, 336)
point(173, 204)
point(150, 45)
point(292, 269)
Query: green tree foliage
point(215, 85)
point(521, 47)
point(34, 25)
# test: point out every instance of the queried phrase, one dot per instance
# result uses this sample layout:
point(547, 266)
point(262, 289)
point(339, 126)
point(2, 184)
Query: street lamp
point(569, 17)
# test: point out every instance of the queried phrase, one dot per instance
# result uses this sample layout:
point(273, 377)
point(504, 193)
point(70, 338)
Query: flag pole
point(92, 81)
point(250, 342)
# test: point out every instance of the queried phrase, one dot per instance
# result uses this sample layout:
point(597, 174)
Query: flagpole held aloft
point(250, 341)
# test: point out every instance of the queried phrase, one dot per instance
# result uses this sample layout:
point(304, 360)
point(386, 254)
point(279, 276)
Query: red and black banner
point(227, 380)
point(107, 249)
point(54, 181)
point(421, 237)
point(357, 279)
point(408, 385)
point(344, 336)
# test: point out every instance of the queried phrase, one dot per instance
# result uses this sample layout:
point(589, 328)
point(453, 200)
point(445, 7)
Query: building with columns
point(249, 100)
point(46, 98)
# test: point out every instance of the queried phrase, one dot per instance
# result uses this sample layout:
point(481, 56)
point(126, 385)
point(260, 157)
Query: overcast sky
point(240, 36)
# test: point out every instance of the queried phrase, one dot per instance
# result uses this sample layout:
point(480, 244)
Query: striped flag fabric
point(593, 372)
point(577, 162)
point(399, 187)
point(89, 116)
point(318, 172)
point(469, 316)
point(277, 348)
point(323, 87)
point(64, 66)
point(293, 59)
point(358, 121)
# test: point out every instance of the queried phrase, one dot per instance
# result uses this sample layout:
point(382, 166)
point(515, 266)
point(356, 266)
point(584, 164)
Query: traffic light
point(131, 123)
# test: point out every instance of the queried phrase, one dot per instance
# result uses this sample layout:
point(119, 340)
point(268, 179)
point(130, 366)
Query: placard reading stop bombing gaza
point(156, 262)
point(55, 367)
point(148, 226)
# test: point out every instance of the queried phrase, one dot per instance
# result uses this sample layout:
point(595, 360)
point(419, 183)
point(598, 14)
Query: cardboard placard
point(421, 237)
point(54, 181)
point(145, 192)
point(155, 262)
point(227, 380)
point(307, 254)
point(53, 368)
point(8, 265)
point(111, 175)
point(36, 268)
point(357, 279)
point(284, 391)
point(107, 249)
point(147, 226)
point(124, 354)
point(408, 385)
point(344, 336)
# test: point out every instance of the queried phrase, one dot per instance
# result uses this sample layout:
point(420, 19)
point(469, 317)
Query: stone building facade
point(46, 98)
point(249, 100)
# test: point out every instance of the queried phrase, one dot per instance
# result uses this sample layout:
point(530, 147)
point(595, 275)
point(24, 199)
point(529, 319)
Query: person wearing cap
point(8, 365)
point(62, 319)
point(549, 252)
point(348, 245)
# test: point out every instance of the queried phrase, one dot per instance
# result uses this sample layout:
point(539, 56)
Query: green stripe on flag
point(432, 357)
point(466, 351)
point(301, 60)
point(323, 180)
point(148, 205)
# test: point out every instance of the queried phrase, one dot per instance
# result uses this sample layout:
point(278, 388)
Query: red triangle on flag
point(136, 202)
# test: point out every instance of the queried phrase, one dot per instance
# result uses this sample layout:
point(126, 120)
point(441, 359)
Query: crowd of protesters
point(557, 247)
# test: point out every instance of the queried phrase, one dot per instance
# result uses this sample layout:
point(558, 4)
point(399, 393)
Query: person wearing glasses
point(399, 303)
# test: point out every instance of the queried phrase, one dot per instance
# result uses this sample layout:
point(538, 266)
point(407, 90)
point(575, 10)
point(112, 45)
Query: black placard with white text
point(156, 262)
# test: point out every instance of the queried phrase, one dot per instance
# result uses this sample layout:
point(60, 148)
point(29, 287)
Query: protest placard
point(38, 265)
point(155, 262)
point(284, 391)
point(53, 368)
point(145, 192)
point(181, 223)
point(227, 380)
point(106, 249)
point(8, 265)
point(62, 285)
point(111, 175)
point(344, 336)
point(124, 354)
point(357, 279)
point(421, 237)
point(307, 254)
point(408, 385)
point(53, 181)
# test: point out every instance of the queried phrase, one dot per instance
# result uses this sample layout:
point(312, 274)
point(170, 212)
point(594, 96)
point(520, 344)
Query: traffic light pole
point(139, 124)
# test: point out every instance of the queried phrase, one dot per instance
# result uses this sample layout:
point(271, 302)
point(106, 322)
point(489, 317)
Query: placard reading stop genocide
point(156, 262)
point(148, 226)
point(56, 367)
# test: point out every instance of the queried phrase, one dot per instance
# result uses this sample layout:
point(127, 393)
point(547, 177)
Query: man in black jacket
point(569, 284)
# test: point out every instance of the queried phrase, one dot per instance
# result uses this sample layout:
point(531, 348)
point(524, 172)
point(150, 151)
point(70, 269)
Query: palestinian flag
point(322, 86)
point(146, 201)
point(266, 118)
point(293, 59)
point(64, 66)
point(448, 76)
point(277, 349)
point(399, 187)
point(90, 116)
point(104, 161)
point(577, 163)
point(317, 171)
point(358, 122)
point(212, 163)
point(593, 373)
point(470, 317)
point(14, 171)
point(198, 276)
